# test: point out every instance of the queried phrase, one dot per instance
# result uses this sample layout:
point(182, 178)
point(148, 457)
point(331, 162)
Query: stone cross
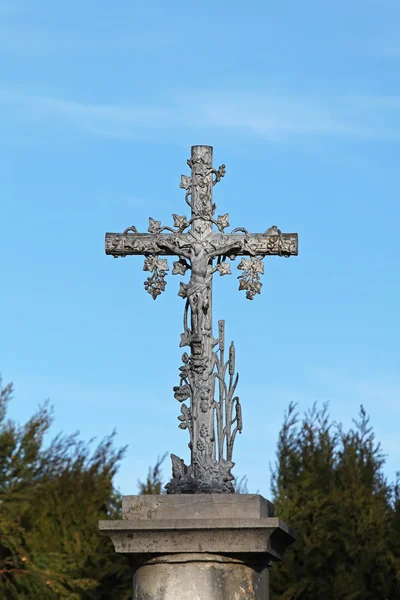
point(212, 414)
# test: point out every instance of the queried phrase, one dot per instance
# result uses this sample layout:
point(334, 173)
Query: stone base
point(199, 547)
point(200, 577)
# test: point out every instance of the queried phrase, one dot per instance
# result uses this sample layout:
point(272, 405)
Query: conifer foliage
point(51, 498)
point(328, 484)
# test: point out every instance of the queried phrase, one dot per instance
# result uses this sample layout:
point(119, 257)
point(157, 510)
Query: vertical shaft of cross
point(200, 301)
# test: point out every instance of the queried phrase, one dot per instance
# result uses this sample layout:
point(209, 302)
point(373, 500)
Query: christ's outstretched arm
point(176, 245)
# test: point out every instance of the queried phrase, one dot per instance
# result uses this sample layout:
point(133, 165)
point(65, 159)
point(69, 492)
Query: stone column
point(199, 546)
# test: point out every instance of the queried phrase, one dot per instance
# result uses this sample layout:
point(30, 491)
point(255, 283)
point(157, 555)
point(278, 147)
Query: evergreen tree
point(51, 498)
point(329, 485)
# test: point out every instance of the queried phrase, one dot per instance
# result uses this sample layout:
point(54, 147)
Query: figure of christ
point(199, 288)
point(200, 254)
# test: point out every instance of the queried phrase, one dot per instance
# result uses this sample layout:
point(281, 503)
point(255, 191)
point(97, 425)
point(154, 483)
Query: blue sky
point(99, 105)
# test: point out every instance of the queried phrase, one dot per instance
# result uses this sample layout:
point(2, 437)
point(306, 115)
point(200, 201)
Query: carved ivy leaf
point(185, 411)
point(250, 278)
point(180, 221)
point(183, 290)
point(155, 284)
point(162, 264)
point(251, 246)
point(184, 371)
point(258, 266)
point(180, 267)
point(185, 339)
point(273, 230)
point(244, 264)
point(257, 285)
point(223, 221)
point(150, 263)
point(185, 182)
point(161, 283)
point(224, 268)
point(154, 226)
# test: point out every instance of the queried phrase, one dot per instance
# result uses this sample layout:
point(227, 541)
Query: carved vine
point(249, 280)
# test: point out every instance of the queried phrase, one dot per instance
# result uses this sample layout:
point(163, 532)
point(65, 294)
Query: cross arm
point(133, 243)
point(270, 243)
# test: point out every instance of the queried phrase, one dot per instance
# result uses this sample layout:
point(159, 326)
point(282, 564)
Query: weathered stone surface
point(195, 506)
point(210, 523)
point(199, 547)
point(268, 536)
point(200, 577)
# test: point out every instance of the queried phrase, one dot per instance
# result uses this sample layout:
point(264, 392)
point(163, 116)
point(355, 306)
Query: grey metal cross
point(212, 416)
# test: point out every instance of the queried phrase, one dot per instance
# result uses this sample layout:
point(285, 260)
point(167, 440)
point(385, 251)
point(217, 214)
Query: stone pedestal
point(199, 546)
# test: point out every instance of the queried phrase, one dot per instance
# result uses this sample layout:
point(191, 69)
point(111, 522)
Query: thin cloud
point(271, 117)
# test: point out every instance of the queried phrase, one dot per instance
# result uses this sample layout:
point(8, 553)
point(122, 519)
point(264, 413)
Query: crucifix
point(210, 409)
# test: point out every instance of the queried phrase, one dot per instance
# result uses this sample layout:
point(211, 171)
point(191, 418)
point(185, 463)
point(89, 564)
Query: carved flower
point(243, 285)
point(154, 226)
point(182, 392)
point(183, 290)
point(185, 358)
point(203, 430)
point(180, 267)
point(180, 222)
point(223, 221)
point(201, 445)
point(224, 268)
point(204, 405)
